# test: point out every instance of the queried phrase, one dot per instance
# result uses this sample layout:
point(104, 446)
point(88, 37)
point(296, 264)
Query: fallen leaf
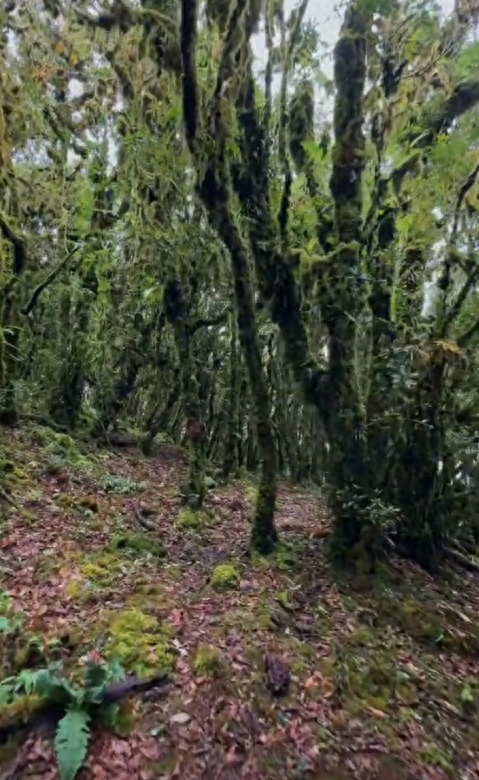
point(181, 718)
point(377, 713)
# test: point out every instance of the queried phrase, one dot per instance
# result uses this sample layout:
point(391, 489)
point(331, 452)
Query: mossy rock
point(209, 662)
point(225, 576)
point(139, 642)
point(56, 443)
point(190, 518)
point(137, 543)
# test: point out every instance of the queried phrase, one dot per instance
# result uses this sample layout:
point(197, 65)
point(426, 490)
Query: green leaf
point(313, 151)
point(56, 689)
point(95, 683)
point(71, 742)
point(6, 691)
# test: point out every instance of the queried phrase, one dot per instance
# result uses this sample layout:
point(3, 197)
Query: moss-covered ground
point(384, 670)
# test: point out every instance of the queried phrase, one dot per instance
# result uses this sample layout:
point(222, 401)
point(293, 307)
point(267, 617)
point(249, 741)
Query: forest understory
point(277, 670)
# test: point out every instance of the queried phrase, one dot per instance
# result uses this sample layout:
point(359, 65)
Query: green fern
point(71, 742)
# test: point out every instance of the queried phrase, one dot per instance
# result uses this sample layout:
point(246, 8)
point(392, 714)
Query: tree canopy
point(192, 252)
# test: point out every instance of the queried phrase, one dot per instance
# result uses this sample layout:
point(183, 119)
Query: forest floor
point(384, 671)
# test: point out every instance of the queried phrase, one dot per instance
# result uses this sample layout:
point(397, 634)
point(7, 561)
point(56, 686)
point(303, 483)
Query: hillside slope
point(383, 674)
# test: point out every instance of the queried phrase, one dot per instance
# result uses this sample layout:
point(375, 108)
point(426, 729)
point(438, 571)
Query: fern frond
point(71, 742)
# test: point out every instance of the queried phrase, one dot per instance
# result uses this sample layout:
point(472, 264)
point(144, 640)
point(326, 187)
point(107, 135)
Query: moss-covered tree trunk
point(177, 316)
point(159, 419)
point(230, 457)
point(214, 189)
point(418, 477)
point(13, 260)
point(264, 534)
point(67, 395)
point(344, 300)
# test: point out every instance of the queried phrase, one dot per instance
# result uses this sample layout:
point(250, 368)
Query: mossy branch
point(349, 149)
point(231, 44)
point(464, 339)
point(48, 280)
point(459, 302)
point(205, 322)
point(464, 97)
point(18, 243)
point(288, 51)
point(274, 270)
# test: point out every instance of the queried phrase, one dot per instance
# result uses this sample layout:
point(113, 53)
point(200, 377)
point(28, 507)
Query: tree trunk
point(159, 419)
point(177, 316)
point(264, 535)
point(230, 459)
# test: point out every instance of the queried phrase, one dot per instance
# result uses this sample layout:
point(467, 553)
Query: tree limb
point(48, 280)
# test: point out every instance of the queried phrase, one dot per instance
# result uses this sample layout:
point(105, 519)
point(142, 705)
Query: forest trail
point(98, 556)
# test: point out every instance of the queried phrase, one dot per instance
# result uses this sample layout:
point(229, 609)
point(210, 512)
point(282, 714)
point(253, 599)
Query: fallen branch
point(142, 520)
point(461, 560)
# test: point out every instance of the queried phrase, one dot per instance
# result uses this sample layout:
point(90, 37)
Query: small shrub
point(55, 465)
point(225, 577)
point(121, 485)
point(29, 690)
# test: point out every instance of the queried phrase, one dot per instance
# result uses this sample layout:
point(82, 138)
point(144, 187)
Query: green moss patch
point(139, 642)
point(431, 623)
point(225, 576)
point(102, 569)
point(137, 544)
point(190, 518)
point(11, 473)
point(119, 485)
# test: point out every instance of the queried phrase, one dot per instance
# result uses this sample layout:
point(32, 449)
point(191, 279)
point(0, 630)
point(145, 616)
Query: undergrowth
point(80, 704)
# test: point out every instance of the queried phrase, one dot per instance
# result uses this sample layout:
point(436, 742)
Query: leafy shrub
point(79, 703)
point(121, 485)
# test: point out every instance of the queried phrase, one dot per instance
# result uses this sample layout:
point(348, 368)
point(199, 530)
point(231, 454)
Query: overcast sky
point(328, 15)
